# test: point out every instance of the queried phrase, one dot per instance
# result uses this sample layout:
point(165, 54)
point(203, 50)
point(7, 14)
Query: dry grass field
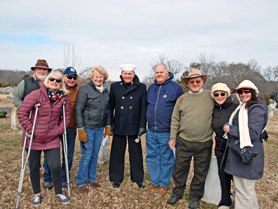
point(128, 195)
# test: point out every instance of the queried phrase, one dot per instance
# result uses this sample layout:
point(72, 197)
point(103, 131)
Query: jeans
point(160, 158)
point(88, 162)
point(53, 157)
point(71, 135)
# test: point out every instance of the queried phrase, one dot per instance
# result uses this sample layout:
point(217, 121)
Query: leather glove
point(82, 135)
point(141, 131)
point(107, 131)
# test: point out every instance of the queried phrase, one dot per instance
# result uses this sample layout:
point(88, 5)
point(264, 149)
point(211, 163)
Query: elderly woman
point(246, 124)
point(49, 126)
point(223, 108)
point(92, 116)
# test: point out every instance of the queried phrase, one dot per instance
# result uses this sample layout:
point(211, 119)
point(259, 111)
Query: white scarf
point(100, 88)
point(244, 136)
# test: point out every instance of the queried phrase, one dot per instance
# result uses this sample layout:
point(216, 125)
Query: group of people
point(180, 128)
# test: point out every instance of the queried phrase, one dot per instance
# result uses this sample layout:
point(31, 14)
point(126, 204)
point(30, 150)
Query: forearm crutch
point(66, 148)
point(24, 163)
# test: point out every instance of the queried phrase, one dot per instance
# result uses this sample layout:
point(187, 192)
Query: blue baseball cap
point(70, 71)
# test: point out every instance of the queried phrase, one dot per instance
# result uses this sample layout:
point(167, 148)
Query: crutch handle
point(38, 105)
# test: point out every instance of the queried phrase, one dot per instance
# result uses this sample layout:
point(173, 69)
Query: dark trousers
point(117, 159)
point(71, 135)
point(225, 182)
point(54, 163)
point(201, 152)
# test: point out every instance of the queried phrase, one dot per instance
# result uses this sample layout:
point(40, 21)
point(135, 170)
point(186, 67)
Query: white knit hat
point(220, 87)
point(246, 84)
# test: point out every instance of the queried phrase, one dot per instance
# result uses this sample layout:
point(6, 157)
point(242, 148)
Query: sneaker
point(47, 185)
point(64, 185)
point(116, 184)
point(36, 200)
point(141, 184)
point(83, 189)
point(95, 185)
point(162, 190)
point(151, 186)
point(63, 198)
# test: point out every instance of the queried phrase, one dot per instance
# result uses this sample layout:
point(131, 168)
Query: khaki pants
point(245, 193)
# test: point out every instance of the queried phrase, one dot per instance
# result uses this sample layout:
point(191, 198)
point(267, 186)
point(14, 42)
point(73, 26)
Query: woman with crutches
point(49, 126)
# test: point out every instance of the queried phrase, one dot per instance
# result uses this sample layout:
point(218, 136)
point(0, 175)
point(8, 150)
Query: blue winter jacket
point(161, 102)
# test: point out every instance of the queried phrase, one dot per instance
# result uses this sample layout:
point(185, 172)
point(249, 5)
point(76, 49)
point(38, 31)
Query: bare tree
point(172, 66)
point(71, 59)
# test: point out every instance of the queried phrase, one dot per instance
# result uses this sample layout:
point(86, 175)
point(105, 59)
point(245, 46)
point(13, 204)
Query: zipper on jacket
point(155, 107)
point(101, 111)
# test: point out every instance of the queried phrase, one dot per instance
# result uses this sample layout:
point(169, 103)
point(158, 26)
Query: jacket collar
point(135, 84)
point(226, 104)
point(170, 77)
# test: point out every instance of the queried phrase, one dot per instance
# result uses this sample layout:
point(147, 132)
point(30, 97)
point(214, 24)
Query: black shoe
point(193, 204)
point(47, 185)
point(141, 184)
point(116, 184)
point(173, 200)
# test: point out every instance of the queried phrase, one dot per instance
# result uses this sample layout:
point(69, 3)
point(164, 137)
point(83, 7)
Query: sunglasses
point(71, 77)
point(222, 94)
point(55, 79)
point(244, 90)
point(197, 82)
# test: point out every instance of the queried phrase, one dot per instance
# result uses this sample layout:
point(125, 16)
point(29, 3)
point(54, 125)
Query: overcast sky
point(115, 32)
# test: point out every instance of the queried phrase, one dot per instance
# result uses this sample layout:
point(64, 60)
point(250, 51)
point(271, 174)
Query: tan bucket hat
point(41, 64)
point(193, 74)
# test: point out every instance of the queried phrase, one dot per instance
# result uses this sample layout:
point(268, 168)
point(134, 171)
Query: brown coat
point(72, 96)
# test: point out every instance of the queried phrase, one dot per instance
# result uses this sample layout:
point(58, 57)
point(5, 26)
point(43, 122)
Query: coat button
point(122, 107)
point(131, 97)
point(130, 107)
point(123, 97)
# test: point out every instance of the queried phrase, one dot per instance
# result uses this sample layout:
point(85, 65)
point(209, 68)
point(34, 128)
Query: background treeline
point(13, 77)
point(230, 73)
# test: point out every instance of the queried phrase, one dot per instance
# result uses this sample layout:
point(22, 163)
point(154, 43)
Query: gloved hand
point(82, 135)
point(107, 131)
point(141, 131)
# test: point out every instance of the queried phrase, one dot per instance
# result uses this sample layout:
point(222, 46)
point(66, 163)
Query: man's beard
point(41, 76)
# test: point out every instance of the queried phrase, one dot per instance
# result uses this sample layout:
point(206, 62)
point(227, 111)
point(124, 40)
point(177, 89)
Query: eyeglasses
point(217, 95)
point(196, 81)
point(71, 77)
point(244, 90)
point(55, 79)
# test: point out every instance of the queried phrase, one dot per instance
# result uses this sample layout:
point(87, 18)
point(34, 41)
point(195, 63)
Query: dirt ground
point(128, 195)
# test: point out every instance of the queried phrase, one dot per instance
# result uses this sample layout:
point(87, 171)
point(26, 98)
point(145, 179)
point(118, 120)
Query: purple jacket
point(49, 123)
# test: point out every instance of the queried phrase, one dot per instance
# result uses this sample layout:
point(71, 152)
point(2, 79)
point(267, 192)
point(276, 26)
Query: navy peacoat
point(128, 106)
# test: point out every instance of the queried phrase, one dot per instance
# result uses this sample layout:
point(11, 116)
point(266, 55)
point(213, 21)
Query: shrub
point(266, 99)
point(3, 114)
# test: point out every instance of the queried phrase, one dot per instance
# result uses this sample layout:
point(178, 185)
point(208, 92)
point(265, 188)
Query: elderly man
point(162, 96)
point(30, 84)
point(128, 104)
point(192, 126)
point(70, 78)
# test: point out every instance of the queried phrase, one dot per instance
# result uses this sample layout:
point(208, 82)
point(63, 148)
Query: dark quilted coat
point(49, 124)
